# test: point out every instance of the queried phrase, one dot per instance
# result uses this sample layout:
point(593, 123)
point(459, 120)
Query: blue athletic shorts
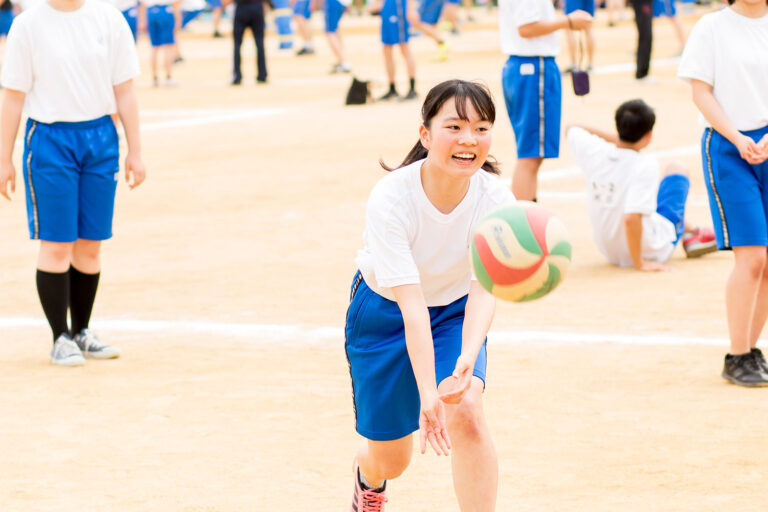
point(580, 5)
point(6, 19)
point(131, 16)
point(71, 172)
point(384, 390)
point(160, 25)
point(187, 16)
point(333, 11)
point(455, 2)
point(670, 201)
point(738, 191)
point(301, 8)
point(430, 10)
point(664, 8)
point(394, 25)
point(214, 4)
point(533, 95)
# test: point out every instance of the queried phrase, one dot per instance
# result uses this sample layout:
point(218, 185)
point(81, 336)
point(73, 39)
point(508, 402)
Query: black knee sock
point(82, 293)
point(392, 87)
point(413, 84)
point(53, 290)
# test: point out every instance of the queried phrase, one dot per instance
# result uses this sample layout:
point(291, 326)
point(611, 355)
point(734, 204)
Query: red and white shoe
point(367, 500)
point(699, 242)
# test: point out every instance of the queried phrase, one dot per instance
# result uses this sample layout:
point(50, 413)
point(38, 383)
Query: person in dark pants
point(644, 22)
point(249, 13)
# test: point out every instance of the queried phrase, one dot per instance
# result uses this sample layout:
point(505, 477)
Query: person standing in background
point(249, 13)
point(644, 22)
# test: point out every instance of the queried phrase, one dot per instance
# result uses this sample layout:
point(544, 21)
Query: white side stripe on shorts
point(541, 107)
point(711, 176)
point(32, 195)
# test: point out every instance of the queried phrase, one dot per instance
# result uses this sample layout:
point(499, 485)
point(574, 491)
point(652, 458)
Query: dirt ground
point(226, 286)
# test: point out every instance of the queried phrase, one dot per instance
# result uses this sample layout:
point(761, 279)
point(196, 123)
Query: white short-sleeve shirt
point(68, 62)
point(730, 52)
point(513, 14)
point(409, 241)
point(621, 181)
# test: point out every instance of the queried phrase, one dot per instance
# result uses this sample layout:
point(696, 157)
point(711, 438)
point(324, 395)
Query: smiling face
point(458, 144)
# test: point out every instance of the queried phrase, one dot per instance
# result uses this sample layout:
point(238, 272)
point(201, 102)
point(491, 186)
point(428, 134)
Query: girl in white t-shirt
point(417, 321)
point(726, 61)
point(68, 66)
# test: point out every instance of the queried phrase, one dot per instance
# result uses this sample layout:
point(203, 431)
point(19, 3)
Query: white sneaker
point(66, 353)
point(93, 348)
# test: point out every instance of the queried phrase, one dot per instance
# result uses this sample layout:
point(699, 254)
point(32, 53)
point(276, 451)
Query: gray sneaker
point(66, 353)
point(92, 347)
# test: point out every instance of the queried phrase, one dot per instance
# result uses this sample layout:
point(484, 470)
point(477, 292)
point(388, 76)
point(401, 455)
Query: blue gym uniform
point(737, 190)
point(664, 8)
point(6, 19)
point(187, 16)
point(385, 394)
point(132, 16)
point(160, 25)
point(430, 10)
point(70, 172)
point(532, 94)
point(302, 8)
point(394, 25)
point(333, 10)
point(580, 5)
point(670, 201)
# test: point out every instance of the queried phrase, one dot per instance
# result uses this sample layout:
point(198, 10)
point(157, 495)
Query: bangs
point(479, 98)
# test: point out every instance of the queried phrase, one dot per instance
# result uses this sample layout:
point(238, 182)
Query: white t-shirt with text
point(621, 181)
point(730, 52)
point(68, 62)
point(516, 13)
point(409, 241)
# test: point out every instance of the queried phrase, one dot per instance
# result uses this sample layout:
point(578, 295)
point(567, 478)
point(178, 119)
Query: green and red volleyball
point(520, 251)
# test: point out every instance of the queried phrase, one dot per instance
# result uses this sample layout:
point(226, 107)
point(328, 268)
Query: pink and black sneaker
point(699, 242)
point(367, 500)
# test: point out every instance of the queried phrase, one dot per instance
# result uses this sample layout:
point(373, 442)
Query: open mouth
point(464, 158)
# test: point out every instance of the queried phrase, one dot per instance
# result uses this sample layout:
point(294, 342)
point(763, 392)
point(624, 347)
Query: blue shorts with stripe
point(430, 10)
point(132, 17)
point(385, 394)
point(670, 201)
point(664, 8)
point(738, 191)
point(333, 11)
point(70, 173)
point(6, 20)
point(394, 25)
point(580, 5)
point(533, 95)
point(302, 8)
point(161, 24)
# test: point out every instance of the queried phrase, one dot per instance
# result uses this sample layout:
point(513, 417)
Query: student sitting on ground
point(636, 219)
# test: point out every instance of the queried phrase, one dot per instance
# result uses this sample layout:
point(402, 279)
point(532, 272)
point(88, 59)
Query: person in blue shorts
point(394, 31)
point(71, 152)
point(531, 83)
point(417, 320)
point(216, 10)
point(163, 20)
point(589, 7)
point(667, 9)
point(424, 15)
point(302, 12)
point(333, 11)
point(726, 62)
point(190, 9)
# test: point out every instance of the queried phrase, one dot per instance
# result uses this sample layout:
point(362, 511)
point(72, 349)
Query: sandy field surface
point(226, 286)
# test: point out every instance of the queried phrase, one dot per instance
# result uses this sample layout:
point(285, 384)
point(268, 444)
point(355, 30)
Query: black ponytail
point(460, 91)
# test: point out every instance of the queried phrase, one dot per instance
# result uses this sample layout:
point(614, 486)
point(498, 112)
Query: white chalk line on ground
point(267, 334)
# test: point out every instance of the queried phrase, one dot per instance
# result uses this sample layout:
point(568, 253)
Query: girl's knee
point(467, 421)
point(391, 458)
point(56, 251)
point(753, 262)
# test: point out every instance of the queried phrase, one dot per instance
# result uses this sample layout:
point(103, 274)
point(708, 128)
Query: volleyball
point(520, 251)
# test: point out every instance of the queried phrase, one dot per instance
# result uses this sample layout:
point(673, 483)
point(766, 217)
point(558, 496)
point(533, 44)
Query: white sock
point(366, 483)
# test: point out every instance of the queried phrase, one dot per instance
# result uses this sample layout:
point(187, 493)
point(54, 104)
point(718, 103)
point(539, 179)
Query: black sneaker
point(412, 95)
point(237, 80)
point(744, 370)
point(305, 51)
point(217, 34)
point(391, 95)
point(760, 358)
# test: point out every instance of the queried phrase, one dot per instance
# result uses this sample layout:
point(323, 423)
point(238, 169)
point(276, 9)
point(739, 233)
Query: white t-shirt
point(192, 5)
point(67, 62)
point(409, 241)
point(621, 181)
point(516, 13)
point(730, 52)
